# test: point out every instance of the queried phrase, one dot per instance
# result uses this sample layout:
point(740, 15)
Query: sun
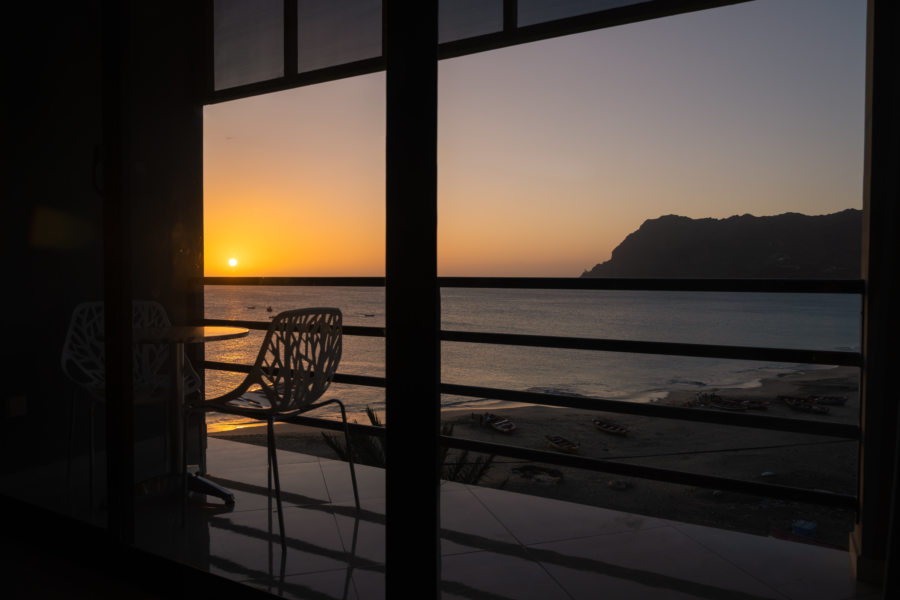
point(232, 262)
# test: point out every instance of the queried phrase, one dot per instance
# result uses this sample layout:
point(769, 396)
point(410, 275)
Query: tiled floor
point(495, 544)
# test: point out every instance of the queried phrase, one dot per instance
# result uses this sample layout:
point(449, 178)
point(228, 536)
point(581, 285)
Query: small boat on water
point(807, 404)
point(607, 427)
point(498, 423)
point(561, 444)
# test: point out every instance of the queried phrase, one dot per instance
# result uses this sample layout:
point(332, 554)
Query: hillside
point(789, 245)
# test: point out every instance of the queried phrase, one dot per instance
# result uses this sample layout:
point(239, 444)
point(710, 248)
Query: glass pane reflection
point(460, 19)
point(248, 41)
point(336, 33)
point(539, 11)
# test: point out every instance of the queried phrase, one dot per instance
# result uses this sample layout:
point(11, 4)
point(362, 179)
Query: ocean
point(806, 321)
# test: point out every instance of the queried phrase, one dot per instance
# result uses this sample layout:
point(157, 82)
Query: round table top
point(188, 334)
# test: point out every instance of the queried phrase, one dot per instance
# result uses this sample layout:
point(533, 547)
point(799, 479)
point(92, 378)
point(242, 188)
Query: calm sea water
point(809, 321)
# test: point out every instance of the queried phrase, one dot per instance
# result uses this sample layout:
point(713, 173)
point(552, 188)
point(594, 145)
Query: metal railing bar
point(357, 330)
point(786, 355)
point(818, 497)
point(261, 325)
point(335, 425)
point(297, 281)
point(223, 366)
point(820, 286)
point(348, 378)
point(811, 286)
point(838, 430)
point(367, 380)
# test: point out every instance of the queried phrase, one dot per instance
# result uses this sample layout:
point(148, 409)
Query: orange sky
point(552, 152)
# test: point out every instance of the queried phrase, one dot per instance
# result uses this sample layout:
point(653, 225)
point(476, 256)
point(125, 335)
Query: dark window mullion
point(510, 15)
point(291, 38)
point(412, 301)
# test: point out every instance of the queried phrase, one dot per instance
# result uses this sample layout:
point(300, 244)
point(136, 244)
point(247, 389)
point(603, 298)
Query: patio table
point(176, 337)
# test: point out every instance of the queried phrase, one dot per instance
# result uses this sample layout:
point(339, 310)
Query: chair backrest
point(299, 357)
point(83, 357)
point(149, 359)
point(83, 354)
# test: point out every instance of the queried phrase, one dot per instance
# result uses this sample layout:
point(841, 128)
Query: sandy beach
point(798, 460)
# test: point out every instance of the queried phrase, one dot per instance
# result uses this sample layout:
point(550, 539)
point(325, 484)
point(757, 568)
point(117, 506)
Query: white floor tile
point(788, 566)
point(533, 519)
point(467, 526)
point(491, 575)
point(654, 563)
point(246, 545)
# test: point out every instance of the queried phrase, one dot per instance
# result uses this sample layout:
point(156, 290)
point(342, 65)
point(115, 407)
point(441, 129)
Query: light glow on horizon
point(550, 153)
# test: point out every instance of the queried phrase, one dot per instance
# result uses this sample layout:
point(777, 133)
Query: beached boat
point(830, 400)
point(804, 404)
point(607, 427)
point(727, 404)
point(498, 423)
point(538, 474)
point(756, 404)
point(562, 444)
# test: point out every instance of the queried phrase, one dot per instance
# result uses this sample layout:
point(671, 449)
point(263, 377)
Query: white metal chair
point(83, 361)
point(295, 366)
point(83, 354)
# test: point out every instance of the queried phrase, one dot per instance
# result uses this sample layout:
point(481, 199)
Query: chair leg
point(349, 575)
point(274, 461)
point(349, 452)
point(71, 440)
point(91, 459)
point(182, 468)
point(201, 442)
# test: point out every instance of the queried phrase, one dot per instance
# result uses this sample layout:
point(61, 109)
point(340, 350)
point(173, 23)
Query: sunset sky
point(551, 153)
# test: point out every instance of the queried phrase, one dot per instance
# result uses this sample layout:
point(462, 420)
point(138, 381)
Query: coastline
point(782, 458)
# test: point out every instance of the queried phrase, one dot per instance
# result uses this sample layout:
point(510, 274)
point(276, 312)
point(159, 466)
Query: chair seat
point(251, 404)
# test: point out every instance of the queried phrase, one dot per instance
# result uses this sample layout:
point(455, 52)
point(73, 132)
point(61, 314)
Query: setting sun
point(232, 262)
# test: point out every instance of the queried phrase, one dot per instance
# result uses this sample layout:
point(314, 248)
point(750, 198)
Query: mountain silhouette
point(790, 245)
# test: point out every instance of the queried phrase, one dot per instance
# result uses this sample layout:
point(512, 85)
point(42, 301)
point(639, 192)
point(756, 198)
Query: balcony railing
point(836, 430)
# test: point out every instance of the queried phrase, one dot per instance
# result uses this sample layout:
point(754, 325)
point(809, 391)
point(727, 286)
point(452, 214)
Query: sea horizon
point(774, 320)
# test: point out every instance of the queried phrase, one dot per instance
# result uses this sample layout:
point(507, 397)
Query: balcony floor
point(495, 544)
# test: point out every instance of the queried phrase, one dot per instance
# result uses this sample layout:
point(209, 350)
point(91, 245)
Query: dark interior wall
point(54, 205)
point(164, 167)
point(54, 131)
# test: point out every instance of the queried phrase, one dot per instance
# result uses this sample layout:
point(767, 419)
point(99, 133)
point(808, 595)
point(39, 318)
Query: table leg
point(178, 453)
point(194, 483)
